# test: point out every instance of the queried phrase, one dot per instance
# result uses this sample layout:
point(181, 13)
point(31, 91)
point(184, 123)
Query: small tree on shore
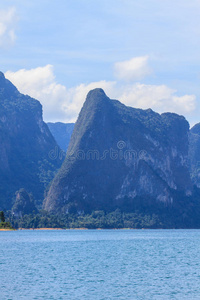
point(2, 217)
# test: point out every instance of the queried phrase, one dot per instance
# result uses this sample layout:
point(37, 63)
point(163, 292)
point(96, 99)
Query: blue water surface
point(100, 264)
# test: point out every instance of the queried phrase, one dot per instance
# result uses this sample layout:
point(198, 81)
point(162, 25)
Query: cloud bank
point(134, 69)
point(8, 21)
point(62, 104)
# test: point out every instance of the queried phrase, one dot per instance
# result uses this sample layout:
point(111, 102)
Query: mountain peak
point(96, 99)
point(96, 92)
point(7, 88)
point(96, 95)
point(2, 75)
point(195, 129)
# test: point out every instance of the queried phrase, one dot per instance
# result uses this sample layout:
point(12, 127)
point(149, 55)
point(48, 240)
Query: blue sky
point(144, 53)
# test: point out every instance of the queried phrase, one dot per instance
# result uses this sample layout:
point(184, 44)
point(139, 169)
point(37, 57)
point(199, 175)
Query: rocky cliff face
point(62, 133)
point(194, 154)
point(119, 155)
point(26, 145)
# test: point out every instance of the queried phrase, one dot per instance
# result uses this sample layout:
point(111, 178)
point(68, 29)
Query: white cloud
point(62, 104)
point(134, 69)
point(158, 97)
point(59, 103)
point(8, 21)
point(40, 84)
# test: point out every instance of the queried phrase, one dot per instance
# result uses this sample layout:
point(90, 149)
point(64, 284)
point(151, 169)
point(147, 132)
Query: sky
point(144, 53)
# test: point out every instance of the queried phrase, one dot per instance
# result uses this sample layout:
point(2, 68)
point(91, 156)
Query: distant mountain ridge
point(26, 144)
point(93, 178)
point(62, 133)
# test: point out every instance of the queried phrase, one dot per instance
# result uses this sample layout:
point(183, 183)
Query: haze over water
point(104, 264)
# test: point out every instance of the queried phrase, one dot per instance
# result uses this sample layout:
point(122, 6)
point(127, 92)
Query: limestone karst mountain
point(26, 146)
point(119, 156)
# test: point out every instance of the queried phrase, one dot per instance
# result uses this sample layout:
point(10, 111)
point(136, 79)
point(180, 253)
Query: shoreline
point(7, 229)
point(82, 228)
point(50, 229)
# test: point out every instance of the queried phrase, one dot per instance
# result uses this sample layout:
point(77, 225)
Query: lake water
point(100, 264)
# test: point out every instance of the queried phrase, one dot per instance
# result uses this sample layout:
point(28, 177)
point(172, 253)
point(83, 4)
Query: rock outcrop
point(24, 204)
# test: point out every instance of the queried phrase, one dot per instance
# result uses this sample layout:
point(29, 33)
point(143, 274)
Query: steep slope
point(27, 146)
point(120, 155)
point(194, 154)
point(62, 133)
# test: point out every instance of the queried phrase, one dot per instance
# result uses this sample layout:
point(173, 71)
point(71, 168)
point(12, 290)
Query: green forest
point(101, 220)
